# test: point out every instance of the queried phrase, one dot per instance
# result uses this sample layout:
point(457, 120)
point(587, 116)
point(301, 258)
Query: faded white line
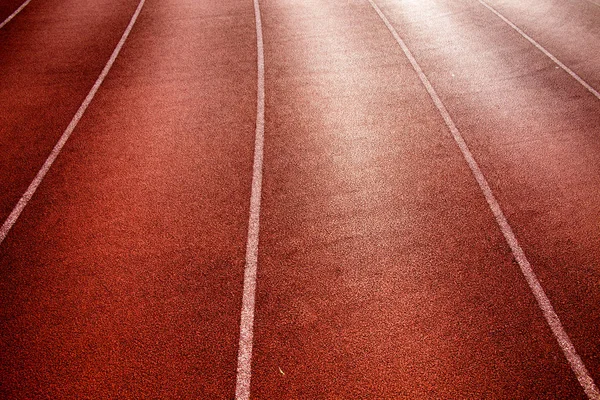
point(594, 3)
point(550, 315)
point(11, 16)
point(543, 50)
point(244, 366)
point(22, 203)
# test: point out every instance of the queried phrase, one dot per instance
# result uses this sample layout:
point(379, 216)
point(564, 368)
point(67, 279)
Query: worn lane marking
point(244, 373)
point(550, 315)
point(22, 203)
point(594, 3)
point(11, 16)
point(543, 50)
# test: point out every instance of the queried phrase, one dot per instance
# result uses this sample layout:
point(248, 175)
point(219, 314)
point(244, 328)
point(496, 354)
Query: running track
point(317, 199)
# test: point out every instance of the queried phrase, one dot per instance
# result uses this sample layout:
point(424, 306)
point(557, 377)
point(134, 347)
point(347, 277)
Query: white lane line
point(244, 373)
point(552, 319)
point(11, 16)
point(16, 212)
point(594, 3)
point(543, 50)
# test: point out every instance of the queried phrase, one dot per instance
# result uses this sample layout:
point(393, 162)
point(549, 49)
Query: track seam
point(542, 49)
point(244, 362)
point(26, 197)
point(575, 362)
point(14, 14)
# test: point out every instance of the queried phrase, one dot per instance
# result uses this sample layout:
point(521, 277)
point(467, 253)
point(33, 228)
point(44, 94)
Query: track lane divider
point(542, 49)
point(244, 362)
point(24, 200)
point(594, 3)
point(575, 362)
point(14, 14)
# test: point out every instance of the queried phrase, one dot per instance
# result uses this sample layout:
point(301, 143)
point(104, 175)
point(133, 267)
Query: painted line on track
point(542, 49)
point(244, 362)
point(11, 16)
point(22, 203)
point(594, 3)
point(550, 315)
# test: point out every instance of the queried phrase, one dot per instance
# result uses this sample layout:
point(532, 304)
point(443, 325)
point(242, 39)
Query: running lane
point(382, 272)
point(536, 133)
point(50, 56)
point(123, 276)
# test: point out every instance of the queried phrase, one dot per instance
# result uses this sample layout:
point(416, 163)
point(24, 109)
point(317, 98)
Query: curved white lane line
point(552, 319)
point(543, 50)
point(244, 373)
point(16, 212)
point(594, 3)
point(11, 16)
